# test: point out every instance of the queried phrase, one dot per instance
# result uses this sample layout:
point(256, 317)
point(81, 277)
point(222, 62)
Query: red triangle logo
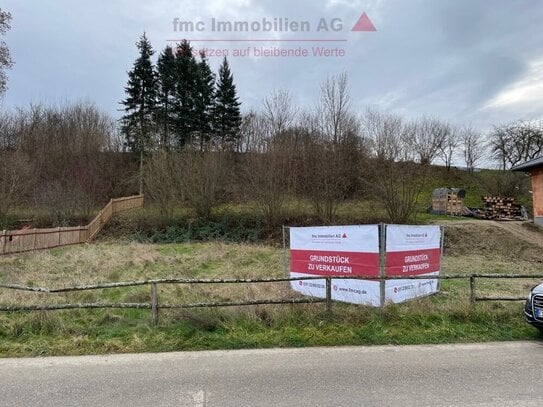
point(364, 24)
point(344, 235)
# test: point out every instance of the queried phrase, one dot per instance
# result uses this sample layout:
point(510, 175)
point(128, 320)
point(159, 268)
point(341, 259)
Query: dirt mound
point(509, 240)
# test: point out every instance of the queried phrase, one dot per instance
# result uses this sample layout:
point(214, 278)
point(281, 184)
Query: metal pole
point(154, 304)
point(473, 295)
point(382, 263)
point(328, 294)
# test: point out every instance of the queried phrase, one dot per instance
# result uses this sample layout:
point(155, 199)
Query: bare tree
point(160, 184)
point(16, 179)
point(201, 178)
point(8, 137)
point(270, 175)
point(329, 174)
point(392, 176)
point(517, 142)
point(70, 149)
point(334, 107)
point(473, 148)
point(254, 132)
point(385, 132)
point(449, 148)
point(398, 186)
point(426, 138)
point(329, 162)
point(279, 111)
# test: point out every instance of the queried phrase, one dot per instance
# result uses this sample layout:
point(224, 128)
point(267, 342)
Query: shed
point(535, 168)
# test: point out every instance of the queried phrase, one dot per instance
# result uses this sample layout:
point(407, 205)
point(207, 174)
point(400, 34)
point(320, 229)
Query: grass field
point(446, 317)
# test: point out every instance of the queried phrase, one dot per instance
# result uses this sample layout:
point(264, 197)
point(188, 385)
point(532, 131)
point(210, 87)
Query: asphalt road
point(494, 374)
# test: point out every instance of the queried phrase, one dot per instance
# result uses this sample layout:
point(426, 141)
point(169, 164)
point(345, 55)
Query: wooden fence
point(16, 241)
point(154, 304)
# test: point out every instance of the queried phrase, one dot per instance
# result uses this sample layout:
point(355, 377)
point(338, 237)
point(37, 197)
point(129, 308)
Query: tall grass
point(445, 317)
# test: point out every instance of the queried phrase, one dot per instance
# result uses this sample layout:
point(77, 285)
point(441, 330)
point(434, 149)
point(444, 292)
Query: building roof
point(528, 165)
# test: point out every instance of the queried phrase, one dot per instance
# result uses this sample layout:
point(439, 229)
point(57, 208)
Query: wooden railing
point(154, 305)
point(16, 241)
point(114, 206)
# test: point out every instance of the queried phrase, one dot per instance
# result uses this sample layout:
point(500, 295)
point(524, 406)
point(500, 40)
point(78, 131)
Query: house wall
point(537, 194)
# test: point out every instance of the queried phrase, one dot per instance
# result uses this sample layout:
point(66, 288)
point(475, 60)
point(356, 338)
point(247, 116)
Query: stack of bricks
point(447, 202)
point(455, 204)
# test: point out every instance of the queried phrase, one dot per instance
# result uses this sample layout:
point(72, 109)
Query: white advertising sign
point(412, 251)
point(336, 251)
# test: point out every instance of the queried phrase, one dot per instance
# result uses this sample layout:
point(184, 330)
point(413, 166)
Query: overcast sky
point(466, 61)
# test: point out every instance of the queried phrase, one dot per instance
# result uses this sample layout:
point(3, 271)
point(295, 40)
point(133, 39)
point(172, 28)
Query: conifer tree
point(185, 94)
point(205, 101)
point(166, 88)
point(227, 117)
point(140, 103)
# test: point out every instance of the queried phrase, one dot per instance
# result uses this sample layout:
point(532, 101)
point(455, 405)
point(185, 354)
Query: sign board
point(354, 251)
point(412, 251)
point(346, 251)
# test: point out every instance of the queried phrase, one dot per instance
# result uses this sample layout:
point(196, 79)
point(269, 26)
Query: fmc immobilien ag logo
point(269, 37)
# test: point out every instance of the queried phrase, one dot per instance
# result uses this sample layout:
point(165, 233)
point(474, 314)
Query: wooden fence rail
point(24, 240)
point(155, 306)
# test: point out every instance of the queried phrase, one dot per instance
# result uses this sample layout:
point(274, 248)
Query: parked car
point(533, 309)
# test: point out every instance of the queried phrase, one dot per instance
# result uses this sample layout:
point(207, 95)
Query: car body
point(533, 309)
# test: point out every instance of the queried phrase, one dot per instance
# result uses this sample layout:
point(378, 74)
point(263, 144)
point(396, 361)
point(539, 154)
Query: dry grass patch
point(105, 262)
point(111, 262)
point(447, 317)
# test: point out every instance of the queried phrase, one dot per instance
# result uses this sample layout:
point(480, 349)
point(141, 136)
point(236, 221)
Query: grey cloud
point(446, 58)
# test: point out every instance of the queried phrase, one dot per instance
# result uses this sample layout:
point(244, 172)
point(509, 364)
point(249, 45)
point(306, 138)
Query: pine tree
point(139, 105)
point(206, 100)
point(166, 89)
point(186, 74)
point(227, 117)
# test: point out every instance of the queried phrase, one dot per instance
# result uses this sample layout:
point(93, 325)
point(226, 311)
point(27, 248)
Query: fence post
point(328, 294)
point(154, 304)
point(58, 231)
point(473, 296)
point(4, 241)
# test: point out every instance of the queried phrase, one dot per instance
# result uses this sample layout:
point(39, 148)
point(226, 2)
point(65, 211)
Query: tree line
point(200, 151)
point(178, 100)
point(67, 160)
point(325, 154)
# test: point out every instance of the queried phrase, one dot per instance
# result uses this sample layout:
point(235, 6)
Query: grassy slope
point(447, 317)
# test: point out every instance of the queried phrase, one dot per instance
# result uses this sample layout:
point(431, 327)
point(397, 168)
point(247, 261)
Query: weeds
point(445, 317)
